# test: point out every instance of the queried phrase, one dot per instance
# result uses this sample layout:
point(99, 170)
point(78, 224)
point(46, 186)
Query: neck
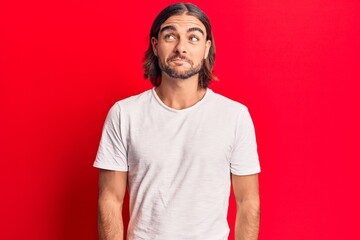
point(180, 93)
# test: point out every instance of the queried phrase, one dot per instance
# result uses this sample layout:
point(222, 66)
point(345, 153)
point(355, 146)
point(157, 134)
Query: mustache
point(181, 57)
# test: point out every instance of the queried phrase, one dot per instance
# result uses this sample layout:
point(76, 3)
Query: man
point(179, 146)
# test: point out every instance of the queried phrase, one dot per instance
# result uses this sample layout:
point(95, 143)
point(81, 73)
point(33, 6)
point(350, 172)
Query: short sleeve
point(112, 154)
point(244, 159)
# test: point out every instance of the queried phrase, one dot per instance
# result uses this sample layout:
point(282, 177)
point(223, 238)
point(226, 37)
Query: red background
point(295, 64)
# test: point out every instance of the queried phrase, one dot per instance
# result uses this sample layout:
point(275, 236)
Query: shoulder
point(133, 102)
point(222, 102)
point(129, 105)
point(135, 99)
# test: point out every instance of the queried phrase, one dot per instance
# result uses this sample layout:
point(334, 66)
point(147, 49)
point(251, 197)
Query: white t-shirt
point(178, 163)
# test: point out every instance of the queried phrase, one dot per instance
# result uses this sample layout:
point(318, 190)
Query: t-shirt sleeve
point(112, 153)
point(244, 159)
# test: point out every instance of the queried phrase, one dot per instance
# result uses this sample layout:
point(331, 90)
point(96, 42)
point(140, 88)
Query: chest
point(166, 142)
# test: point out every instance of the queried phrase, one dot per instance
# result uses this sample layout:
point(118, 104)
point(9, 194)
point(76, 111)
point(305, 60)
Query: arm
point(112, 187)
point(246, 191)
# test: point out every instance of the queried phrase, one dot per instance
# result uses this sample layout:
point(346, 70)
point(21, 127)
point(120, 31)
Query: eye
point(169, 37)
point(194, 38)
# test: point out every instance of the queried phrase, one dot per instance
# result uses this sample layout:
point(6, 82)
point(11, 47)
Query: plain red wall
point(295, 64)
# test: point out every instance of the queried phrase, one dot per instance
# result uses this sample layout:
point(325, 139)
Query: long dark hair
point(152, 70)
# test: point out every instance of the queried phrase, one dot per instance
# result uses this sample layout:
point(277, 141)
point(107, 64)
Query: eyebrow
point(193, 29)
point(168, 28)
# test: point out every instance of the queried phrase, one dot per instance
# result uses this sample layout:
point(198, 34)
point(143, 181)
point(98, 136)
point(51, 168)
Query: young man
point(179, 146)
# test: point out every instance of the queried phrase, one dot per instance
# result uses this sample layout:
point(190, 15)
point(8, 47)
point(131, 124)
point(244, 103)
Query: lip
point(180, 60)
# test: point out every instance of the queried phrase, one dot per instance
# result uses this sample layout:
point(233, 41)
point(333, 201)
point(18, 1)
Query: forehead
point(183, 21)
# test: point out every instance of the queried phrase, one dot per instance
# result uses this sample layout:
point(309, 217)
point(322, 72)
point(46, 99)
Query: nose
point(181, 46)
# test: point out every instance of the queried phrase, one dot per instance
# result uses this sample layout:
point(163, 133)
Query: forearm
point(247, 220)
point(110, 221)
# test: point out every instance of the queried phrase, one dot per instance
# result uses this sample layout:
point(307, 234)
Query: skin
point(246, 191)
point(181, 46)
point(112, 188)
point(185, 36)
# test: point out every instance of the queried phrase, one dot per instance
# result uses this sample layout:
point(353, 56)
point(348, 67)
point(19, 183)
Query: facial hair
point(177, 74)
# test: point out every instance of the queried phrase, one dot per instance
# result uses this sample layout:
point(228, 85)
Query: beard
point(173, 73)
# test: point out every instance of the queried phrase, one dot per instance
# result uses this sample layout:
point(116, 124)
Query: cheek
point(199, 53)
point(163, 52)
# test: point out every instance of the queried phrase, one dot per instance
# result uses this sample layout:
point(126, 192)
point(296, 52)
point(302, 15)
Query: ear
point(207, 48)
point(154, 44)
